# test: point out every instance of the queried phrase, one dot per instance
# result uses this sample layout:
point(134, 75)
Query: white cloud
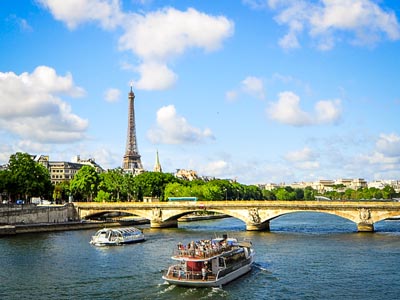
point(328, 111)
point(304, 154)
point(389, 144)
point(166, 33)
point(159, 37)
point(287, 111)
point(76, 12)
point(30, 107)
point(155, 38)
point(253, 86)
point(327, 20)
point(304, 159)
point(174, 129)
point(214, 168)
point(155, 76)
point(112, 95)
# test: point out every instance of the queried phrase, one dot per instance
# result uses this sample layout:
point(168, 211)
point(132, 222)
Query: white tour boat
point(210, 263)
point(117, 236)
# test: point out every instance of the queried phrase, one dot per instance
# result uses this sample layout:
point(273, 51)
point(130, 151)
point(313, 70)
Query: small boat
point(210, 263)
point(117, 236)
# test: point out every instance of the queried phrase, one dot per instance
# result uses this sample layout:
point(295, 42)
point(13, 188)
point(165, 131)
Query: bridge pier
point(258, 227)
point(164, 224)
point(365, 227)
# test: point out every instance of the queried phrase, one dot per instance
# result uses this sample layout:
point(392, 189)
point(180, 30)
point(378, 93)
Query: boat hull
point(103, 244)
point(211, 283)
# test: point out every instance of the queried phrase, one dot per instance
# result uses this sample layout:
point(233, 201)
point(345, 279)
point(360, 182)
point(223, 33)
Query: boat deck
point(189, 276)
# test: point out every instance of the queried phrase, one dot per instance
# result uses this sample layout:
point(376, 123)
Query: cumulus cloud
point(31, 109)
point(287, 110)
point(112, 95)
point(329, 21)
point(159, 37)
point(174, 129)
point(76, 12)
point(169, 32)
point(156, 38)
point(251, 85)
point(155, 76)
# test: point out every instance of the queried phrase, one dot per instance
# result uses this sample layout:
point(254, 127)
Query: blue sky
point(255, 90)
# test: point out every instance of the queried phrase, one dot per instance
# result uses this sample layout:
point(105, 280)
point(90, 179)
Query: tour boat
point(117, 236)
point(210, 263)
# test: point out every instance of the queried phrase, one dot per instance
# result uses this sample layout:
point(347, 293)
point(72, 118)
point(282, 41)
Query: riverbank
point(6, 230)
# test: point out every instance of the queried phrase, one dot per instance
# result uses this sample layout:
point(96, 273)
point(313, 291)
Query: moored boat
point(210, 263)
point(117, 236)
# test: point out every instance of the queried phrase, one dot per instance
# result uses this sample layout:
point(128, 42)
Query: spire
point(157, 166)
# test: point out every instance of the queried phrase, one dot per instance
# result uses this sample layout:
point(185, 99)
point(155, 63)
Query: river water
point(304, 256)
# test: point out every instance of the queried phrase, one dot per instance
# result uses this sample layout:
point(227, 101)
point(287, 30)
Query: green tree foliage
point(102, 196)
point(27, 178)
point(112, 182)
point(309, 193)
point(152, 184)
point(61, 192)
point(268, 195)
point(85, 183)
point(285, 193)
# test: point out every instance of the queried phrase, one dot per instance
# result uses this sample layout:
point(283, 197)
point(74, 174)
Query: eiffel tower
point(132, 162)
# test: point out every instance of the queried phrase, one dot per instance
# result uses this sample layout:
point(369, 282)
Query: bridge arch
point(255, 214)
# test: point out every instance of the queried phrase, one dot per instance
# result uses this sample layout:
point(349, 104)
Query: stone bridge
point(256, 214)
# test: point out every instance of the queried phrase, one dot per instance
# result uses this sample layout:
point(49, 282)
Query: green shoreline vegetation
point(24, 178)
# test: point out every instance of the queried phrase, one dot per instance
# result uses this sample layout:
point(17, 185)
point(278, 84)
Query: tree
point(85, 183)
point(61, 191)
point(268, 195)
point(28, 178)
point(309, 193)
point(152, 184)
point(112, 182)
point(388, 192)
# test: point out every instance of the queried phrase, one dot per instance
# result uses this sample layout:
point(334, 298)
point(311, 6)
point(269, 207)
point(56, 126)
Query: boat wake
point(167, 289)
point(262, 266)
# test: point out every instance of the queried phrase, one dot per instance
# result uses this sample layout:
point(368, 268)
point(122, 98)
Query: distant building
point(186, 174)
point(63, 171)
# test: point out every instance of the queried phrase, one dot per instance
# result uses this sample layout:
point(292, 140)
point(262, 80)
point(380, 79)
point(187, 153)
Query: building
point(63, 171)
point(131, 161)
point(186, 174)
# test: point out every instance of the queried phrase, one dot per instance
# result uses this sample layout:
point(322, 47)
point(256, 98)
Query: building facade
point(64, 171)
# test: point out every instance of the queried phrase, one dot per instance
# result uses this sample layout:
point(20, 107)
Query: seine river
point(304, 256)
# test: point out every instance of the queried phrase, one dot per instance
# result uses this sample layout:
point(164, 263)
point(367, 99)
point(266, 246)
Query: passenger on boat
point(204, 271)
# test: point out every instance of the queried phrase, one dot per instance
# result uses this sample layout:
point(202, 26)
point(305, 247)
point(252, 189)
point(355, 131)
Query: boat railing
point(176, 271)
point(202, 252)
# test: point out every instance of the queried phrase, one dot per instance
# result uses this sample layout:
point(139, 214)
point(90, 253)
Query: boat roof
point(121, 229)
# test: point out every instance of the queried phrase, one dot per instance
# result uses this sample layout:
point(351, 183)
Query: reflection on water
point(305, 256)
